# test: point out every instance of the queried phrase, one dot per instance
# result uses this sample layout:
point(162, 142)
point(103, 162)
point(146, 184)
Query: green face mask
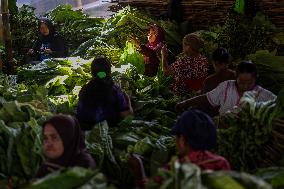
point(101, 75)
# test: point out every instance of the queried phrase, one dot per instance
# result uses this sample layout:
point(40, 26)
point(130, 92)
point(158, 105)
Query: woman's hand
point(31, 51)
point(136, 165)
point(134, 41)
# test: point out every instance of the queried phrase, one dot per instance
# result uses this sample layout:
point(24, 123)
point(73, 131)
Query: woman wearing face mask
point(49, 44)
point(190, 69)
point(63, 145)
point(152, 50)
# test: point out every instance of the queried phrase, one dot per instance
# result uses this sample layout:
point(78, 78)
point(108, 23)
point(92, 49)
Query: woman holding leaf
point(152, 50)
point(190, 69)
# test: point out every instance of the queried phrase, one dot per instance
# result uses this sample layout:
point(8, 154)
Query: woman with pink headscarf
point(152, 50)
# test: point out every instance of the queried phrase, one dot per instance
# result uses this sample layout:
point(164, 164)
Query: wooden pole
point(7, 37)
point(1, 39)
point(1, 64)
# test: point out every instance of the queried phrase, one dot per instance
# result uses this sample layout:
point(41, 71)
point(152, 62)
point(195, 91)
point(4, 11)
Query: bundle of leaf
point(70, 178)
point(20, 145)
point(118, 28)
point(24, 28)
point(270, 69)
point(272, 175)
point(111, 147)
point(188, 175)
point(59, 75)
point(254, 137)
point(143, 87)
point(243, 36)
point(74, 26)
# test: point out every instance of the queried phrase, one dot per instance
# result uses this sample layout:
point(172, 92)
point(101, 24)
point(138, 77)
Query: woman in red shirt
point(152, 50)
point(196, 134)
point(190, 69)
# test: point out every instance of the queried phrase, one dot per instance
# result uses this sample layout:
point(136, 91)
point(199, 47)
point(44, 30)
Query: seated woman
point(228, 93)
point(49, 44)
point(152, 50)
point(190, 69)
point(63, 145)
point(101, 99)
point(196, 134)
point(221, 60)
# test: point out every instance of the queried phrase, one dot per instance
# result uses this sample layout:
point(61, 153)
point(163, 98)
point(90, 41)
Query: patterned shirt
point(189, 74)
point(227, 96)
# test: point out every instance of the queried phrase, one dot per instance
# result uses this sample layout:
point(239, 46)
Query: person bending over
point(100, 99)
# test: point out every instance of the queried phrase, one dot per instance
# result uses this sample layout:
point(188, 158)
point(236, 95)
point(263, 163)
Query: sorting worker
point(63, 145)
point(196, 134)
point(190, 69)
point(100, 99)
point(228, 93)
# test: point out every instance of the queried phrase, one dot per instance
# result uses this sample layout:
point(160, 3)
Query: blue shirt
point(87, 114)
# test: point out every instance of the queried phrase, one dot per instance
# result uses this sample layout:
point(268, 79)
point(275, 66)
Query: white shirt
point(227, 96)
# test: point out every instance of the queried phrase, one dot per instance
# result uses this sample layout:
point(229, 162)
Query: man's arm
point(195, 102)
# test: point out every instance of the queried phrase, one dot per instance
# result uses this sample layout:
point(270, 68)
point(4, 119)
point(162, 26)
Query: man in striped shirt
point(228, 93)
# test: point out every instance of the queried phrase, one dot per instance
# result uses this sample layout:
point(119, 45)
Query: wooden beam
point(7, 37)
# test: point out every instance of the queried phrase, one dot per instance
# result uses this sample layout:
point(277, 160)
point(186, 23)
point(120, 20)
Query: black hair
point(247, 67)
point(99, 89)
point(100, 64)
point(221, 55)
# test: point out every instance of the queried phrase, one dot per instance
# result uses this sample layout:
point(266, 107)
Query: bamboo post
point(7, 36)
point(1, 38)
point(1, 64)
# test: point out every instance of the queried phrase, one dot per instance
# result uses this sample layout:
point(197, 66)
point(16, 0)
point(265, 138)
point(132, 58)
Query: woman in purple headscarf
point(152, 50)
point(63, 145)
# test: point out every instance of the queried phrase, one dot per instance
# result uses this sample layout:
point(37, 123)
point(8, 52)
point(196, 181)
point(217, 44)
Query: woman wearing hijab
point(190, 69)
point(152, 50)
point(100, 99)
point(49, 44)
point(63, 145)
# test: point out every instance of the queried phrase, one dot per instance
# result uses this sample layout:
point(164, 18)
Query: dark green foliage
point(272, 175)
point(67, 179)
point(24, 26)
point(270, 69)
point(74, 26)
point(12, 4)
point(243, 35)
point(250, 141)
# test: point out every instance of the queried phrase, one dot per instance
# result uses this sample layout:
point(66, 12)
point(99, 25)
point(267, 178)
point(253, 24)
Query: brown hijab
point(72, 137)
